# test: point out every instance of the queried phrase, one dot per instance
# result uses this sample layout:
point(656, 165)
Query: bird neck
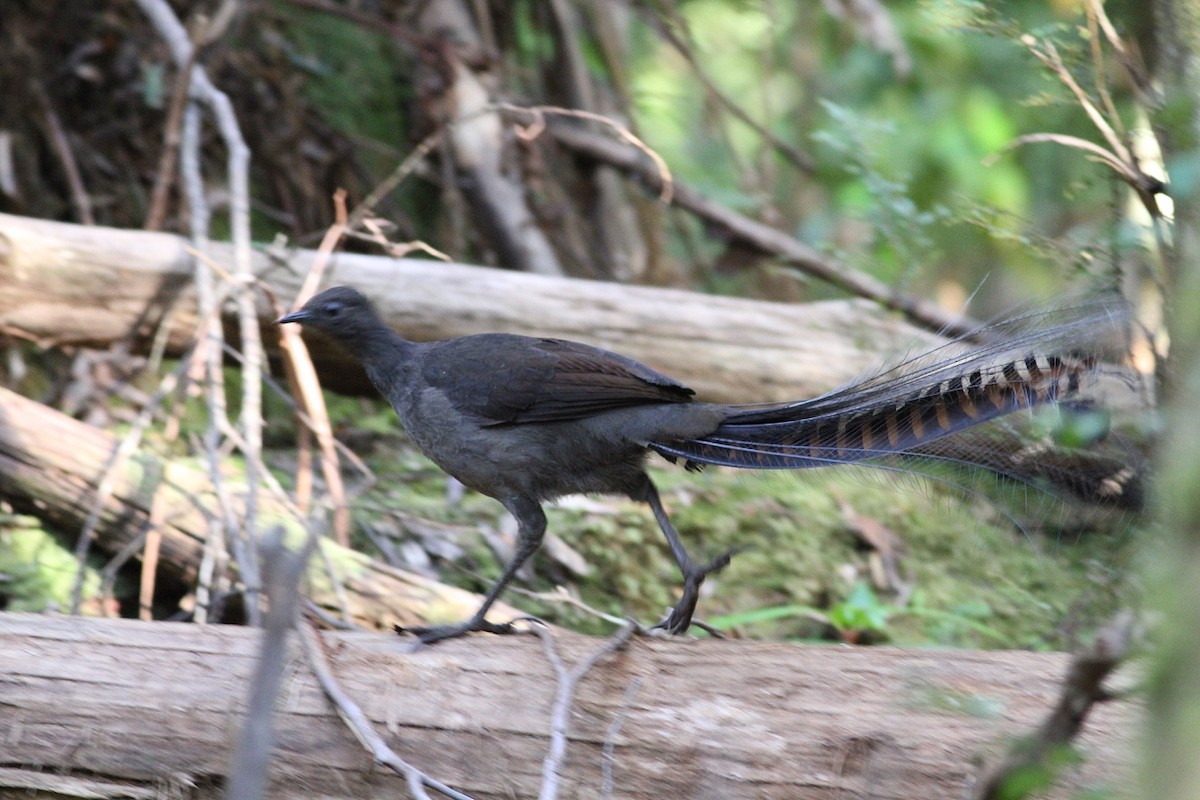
point(372, 342)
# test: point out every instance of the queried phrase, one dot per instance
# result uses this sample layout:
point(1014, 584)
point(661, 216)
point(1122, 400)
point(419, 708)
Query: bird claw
point(438, 633)
point(680, 618)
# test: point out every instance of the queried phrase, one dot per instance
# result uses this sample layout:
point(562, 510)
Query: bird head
point(339, 312)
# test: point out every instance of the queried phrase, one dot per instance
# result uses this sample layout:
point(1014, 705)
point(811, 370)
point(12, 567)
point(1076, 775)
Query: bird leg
point(680, 618)
point(531, 528)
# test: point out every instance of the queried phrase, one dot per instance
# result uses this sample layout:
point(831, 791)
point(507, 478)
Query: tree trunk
point(1172, 770)
point(71, 284)
point(51, 465)
point(115, 708)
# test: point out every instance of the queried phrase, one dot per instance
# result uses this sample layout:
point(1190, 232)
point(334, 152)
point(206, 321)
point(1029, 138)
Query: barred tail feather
point(794, 437)
point(907, 410)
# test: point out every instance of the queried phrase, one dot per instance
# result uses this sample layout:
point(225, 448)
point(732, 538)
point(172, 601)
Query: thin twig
point(801, 160)
point(666, 192)
point(765, 238)
point(164, 176)
point(561, 596)
point(210, 348)
point(560, 713)
point(1098, 68)
point(1083, 687)
point(62, 147)
point(252, 756)
point(115, 468)
point(150, 554)
point(1097, 152)
point(302, 375)
point(397, 177)
point(357, 722)
point(608, 755)
point(169, 28)
point(394, 249)
point(350, 456)
point(1118, 155)
point(1134, 68)
point(1047, 53)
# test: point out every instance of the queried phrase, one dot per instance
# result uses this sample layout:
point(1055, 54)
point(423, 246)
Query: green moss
point(37, 569)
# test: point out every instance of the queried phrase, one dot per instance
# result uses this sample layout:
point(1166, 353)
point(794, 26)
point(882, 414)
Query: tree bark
point(115, 708)
point(70, 284)
point(51, 465)
point(1172, 746)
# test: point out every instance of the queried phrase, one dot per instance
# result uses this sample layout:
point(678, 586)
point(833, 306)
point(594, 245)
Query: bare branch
point(163, 18)
point(354, 718)
point(252, 756)
point(560, 714)
point(1047, 53)
point(764, 237)
point(1082, 688)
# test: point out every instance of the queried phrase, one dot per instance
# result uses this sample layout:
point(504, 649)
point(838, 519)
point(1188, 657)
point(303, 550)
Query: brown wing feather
point(518, 379)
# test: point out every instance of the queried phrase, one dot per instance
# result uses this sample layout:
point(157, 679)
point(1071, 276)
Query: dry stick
point(304, 437)
point(560, 713)
point(1099, 72)
point(1134, 69)
point(273, 486)
point(1047, 53)
point(211, 348)
point(1082, 689)
point(173, 33)
point(150, 556)
point(397, 177)
point(608, 757)
point(801, 160)
point(308, 421)
point(666, 194)
point(765, 238)
point(1098, 153)
point(562, 597)
point(302, 376)
point(153, 537)
point(164, 176)
point(62, 147)
point(1120, 158)
point(324, 252)
point(395, 249)
point(112, 469)
point(287, 397)
point(357, 722)
point(108, 575)
point(281, 582)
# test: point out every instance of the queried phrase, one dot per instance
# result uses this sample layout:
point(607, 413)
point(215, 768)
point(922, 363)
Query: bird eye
point(333, 309)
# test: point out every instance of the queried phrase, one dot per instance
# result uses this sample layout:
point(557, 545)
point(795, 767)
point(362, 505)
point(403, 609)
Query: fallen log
point(75, 284)
point(114, 708)
point(52, 465)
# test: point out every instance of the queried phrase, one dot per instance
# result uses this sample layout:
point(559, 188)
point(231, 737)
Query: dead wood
point(51, 465)
point(70, 284)
point(132, 709)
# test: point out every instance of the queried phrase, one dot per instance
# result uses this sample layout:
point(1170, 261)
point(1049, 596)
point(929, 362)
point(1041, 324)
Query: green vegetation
point(38, 568)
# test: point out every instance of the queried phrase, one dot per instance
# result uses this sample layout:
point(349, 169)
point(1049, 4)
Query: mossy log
point(52, 465)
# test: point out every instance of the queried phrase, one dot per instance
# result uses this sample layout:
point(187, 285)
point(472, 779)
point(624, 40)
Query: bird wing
point(508, 379)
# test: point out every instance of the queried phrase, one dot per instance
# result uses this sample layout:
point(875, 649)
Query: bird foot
point(437, 633)
point(680, 618)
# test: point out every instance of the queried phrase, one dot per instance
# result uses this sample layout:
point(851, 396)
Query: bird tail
point(1017, 364)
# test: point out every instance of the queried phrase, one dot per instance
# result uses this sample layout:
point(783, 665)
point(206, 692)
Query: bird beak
point(295, 316)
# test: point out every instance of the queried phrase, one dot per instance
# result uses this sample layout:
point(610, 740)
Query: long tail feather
point(1017, 364)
